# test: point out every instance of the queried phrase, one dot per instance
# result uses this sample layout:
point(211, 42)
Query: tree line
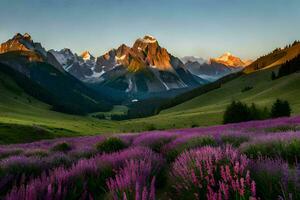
point(238, 111)
point(287, 68)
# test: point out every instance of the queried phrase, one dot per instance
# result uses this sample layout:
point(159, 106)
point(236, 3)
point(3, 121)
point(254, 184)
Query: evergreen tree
point(289, 67)
point(236, 112)
point(280, 108)
point(240, 112)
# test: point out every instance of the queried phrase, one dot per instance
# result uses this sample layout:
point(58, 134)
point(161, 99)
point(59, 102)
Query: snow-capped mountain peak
point(149, 39)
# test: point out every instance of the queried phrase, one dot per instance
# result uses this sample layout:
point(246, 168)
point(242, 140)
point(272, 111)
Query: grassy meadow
point(19, 109)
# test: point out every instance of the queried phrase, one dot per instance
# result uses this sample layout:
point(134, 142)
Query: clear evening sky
point(204, 28)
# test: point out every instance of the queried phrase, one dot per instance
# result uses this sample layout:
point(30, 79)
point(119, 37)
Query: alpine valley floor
point(19, 109)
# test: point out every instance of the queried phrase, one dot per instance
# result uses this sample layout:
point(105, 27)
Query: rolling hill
point(277, 57)
point(207, 109)
point(17, 108)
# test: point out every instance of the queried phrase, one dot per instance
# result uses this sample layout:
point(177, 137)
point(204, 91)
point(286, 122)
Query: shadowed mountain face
point(28, 64)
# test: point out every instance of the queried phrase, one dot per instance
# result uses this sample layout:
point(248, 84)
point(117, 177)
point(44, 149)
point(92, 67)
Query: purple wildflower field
point(249, 160)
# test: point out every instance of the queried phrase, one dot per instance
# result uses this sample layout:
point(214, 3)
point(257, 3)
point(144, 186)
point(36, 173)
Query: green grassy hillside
point(16, 107)
point(34, 117)
point(208, 109)
point(51, 85)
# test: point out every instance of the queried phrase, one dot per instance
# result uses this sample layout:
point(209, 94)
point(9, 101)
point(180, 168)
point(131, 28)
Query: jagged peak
point(86, 55)
point(66, 50)
point(147, 39)
point(123, 46)
point(26, 35)
point(227, 54)
point(18, 36)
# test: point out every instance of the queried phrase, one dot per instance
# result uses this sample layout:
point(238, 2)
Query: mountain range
point(216, 68)
point(121, 75)
point(146, 67)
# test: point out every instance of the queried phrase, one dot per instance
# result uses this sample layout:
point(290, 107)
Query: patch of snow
point(207, 77)
point(166, 86)
point(68, 67)
point(130, 85)
point(97, 74)
point(62, 56)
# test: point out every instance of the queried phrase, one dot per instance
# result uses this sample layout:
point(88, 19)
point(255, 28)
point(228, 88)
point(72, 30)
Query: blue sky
point(205, 28)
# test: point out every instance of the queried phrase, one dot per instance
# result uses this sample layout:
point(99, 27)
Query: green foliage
point(247, 88)
point(99, 116)
point(287, 150)
point(240, 112)
point(61, 90)
point(236, 112)
point(157, 145)
point(37, 153)
point(197, 142)
point(61, 160)
point(61, 147)
point(14, 133)
point(289, 67)
point(110, 145)
point(283, 128)
point(280, 108)
point(274, 178)
point(89, 182)
point(151, 127)
point(13, 152)
point(194, 125)
point(267, 183)
point(235, 141)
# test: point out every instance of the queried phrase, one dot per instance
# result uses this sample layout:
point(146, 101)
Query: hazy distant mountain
point(230, 60)
point(208, 71)
point(275, 58)
point(216, 67)
point(186, 59)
